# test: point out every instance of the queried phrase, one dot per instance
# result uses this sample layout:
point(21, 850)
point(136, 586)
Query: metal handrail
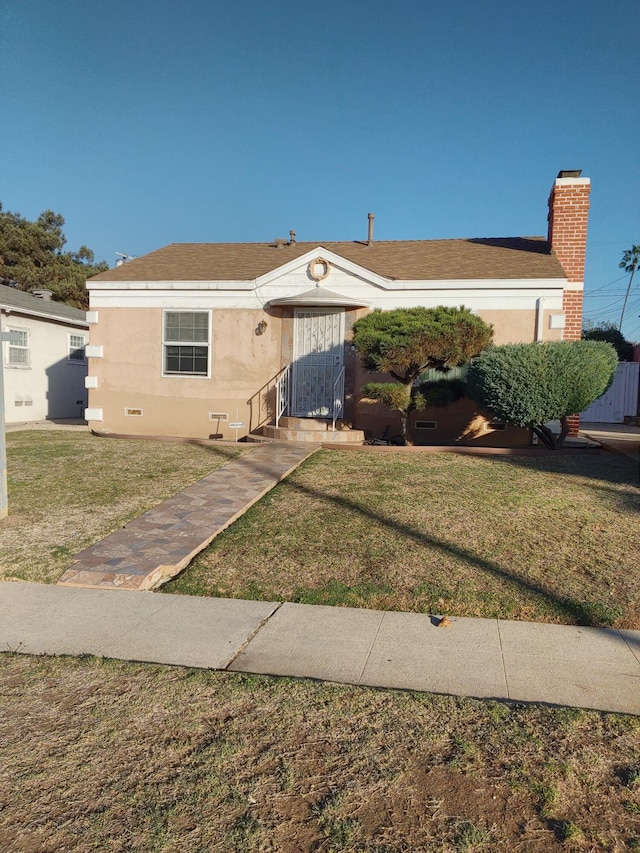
point(283, 392)
point(338, 397)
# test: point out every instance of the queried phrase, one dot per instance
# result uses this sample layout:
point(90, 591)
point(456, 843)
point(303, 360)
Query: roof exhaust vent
point(45, 295)
point(370, 234)
point(279, 242)
point(292, 237)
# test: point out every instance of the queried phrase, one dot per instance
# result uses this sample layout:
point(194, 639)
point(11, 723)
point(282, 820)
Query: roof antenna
point(124, 258)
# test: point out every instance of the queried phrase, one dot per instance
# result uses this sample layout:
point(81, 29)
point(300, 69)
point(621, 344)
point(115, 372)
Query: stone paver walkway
point(164, 540)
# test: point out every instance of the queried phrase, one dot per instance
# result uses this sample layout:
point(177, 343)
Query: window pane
point(187, 326)
point(19, 351)
point(76, 347)
point(171, 326)
point(18, 356)
point(186, 359)
point(172, 359)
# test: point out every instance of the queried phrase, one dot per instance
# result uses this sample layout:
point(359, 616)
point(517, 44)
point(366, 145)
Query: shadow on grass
point(607, 467)
point(577, 612)
point(582, 613)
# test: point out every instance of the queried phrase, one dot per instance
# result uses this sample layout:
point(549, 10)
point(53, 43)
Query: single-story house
point(222, 339)
point(45, 364)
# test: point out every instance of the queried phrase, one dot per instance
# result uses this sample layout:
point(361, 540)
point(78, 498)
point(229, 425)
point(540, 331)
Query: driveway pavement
point(619, 438)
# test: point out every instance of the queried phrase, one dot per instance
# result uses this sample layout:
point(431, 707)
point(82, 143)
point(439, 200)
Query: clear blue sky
point(146, 122)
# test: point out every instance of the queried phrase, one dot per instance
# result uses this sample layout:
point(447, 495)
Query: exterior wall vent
point(426, 424)
point(218, 416)
point(496, 425)
point(133, 413)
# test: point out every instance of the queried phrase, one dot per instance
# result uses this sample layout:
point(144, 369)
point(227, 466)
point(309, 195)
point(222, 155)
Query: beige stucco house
point(44, 366)
point(219, 339)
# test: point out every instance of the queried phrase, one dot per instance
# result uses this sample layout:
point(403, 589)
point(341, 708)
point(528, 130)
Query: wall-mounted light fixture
point(261, 328)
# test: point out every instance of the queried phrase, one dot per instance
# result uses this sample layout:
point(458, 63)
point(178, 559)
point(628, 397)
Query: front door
point(318, 356)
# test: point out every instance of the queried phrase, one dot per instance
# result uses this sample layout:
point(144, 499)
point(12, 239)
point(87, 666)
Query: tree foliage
point(529, 385)
point(610, 333)
point(405, 342)
point(32, 257)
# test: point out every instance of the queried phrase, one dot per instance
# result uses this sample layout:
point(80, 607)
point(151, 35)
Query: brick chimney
point(568, 215)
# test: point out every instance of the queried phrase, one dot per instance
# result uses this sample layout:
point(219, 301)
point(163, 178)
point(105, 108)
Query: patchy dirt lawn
point(69, 489)
point(108, 756)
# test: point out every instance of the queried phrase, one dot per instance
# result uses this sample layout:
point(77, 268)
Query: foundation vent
point(133, 413)
point(218, 416)
point(426, 425)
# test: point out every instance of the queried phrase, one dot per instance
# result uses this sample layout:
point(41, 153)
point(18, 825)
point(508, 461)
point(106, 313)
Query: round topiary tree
point(405, 342)
point(529, 385)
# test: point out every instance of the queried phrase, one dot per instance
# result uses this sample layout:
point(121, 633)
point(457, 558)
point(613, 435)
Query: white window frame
point(167, 342)
point(20, 347)
point(71, 349)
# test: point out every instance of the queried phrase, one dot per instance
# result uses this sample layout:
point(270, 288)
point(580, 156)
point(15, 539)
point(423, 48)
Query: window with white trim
point(185, 343)
point(18, 352)
point(77, 344)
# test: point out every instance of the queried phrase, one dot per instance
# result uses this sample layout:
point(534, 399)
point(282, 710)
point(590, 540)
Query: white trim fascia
point(454, 284)
point(508, 299)
point(334, 259)
point(170, 285)
point(192, 288)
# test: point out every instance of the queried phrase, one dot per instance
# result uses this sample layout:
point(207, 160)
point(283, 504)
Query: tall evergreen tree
point(32, 256)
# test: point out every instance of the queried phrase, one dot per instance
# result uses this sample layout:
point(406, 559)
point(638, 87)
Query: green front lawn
point(549, 538)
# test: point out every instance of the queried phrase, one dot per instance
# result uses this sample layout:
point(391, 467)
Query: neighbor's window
point(186, 343)
point(18, 354)
point(77, 344)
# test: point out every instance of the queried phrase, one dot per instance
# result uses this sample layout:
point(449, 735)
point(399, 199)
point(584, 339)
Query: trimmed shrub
point(529, 385)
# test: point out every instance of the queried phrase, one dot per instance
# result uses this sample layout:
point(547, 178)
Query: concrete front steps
point(312, 430)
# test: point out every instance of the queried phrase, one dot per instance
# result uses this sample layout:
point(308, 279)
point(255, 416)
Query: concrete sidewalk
point(486, 658)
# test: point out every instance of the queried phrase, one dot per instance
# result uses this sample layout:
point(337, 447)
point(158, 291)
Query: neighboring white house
point(45, 369)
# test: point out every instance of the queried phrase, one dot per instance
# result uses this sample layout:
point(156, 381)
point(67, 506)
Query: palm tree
point(629, 263)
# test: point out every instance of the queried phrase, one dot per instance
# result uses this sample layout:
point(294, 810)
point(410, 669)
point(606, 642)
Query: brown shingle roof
point(493, 258)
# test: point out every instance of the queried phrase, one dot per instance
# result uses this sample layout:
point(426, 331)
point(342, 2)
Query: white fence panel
point(620, 400)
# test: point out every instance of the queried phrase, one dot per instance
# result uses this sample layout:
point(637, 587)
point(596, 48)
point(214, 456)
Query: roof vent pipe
point(370, 235)
point(292, 237)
